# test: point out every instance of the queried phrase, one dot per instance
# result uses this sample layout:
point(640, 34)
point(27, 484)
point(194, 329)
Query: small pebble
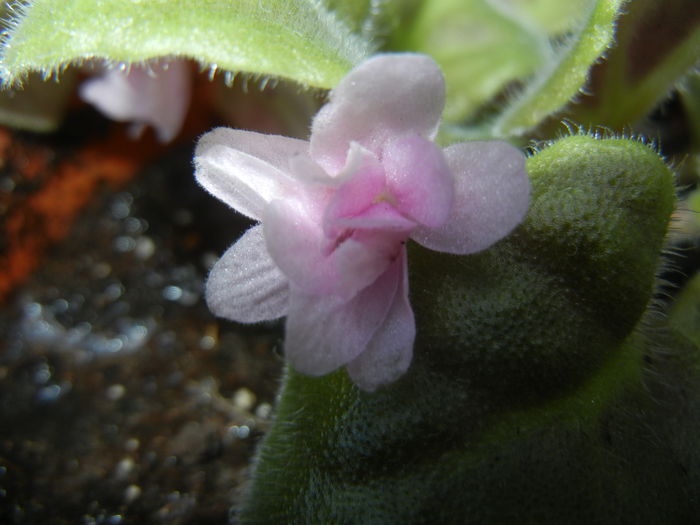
point(264, 410)
point(124, 468)
point(132, 493)
point(115, 392)
point(244, 399)
point(132, 444)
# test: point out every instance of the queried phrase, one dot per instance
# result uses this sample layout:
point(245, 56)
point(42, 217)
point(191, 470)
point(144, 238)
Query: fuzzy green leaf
point(295, 39)
point(562, 79)
point(554, 17)
point(373, 19)
point(39, 106)
point(525, 401)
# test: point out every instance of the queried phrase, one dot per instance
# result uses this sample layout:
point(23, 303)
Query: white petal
point(389, 353)
point(324, 333)
point(303, 169)
point(245, 169)
point(245, 285)
point(383, 98)
point(157, 94)
point(492, 194)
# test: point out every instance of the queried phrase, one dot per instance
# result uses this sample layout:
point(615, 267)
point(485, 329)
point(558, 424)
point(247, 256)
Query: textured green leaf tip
point(548, 307)
point(296, 39)
point(522, 352)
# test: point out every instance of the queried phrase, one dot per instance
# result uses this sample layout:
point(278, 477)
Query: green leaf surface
point(560, 80)
point(553, 17)
point(480, 47)
point(528, 400)
point(656, 44)
point(40, 105)
point(689, 91)
point(372, 19)
point(295, 39)
point(685, 314)
point(693, 202)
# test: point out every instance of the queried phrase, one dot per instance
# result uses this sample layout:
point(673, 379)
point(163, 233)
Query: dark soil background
point(122, 398)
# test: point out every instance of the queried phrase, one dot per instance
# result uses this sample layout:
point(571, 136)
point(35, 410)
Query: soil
point(122, 398)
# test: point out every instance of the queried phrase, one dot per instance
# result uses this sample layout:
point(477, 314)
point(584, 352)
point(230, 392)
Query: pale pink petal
point(390, 351)
point(380, 216)
point(357, 193)
point(492, 193)
point(419, 179)
point(245, 285)
point(247, 170)
point(324, 333)
point(387, 96)
point(157, 94)
point(357, 156)
point(365, 256)
point(294, 240)
point(298, 246)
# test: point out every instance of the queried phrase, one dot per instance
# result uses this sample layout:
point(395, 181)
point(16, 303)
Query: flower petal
point(245, 169)
point(492, 194)
point(381, 216)
point(298, 246)
point(294, 241)
point(419, 179)
point(384, 97)
point(358, 192)
point(245, 285)
point(324, 333)
point(390, 351)
point(305, 170)
point(157, 94)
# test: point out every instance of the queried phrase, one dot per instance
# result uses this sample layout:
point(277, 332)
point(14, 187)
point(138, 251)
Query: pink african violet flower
point(336, 212)
point(156, 94)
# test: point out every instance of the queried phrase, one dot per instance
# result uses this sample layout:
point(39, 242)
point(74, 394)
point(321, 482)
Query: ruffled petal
point(357, 193)
point(387, 96)
point(324, 333)
point(247, 170)
point(492, 194)
point(245, 285)
point(390, 351)
point(157, 94)
point(381, 216)
point(419, 179)
point(298, 246)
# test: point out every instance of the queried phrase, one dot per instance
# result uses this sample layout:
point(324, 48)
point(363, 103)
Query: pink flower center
point(365, 210)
